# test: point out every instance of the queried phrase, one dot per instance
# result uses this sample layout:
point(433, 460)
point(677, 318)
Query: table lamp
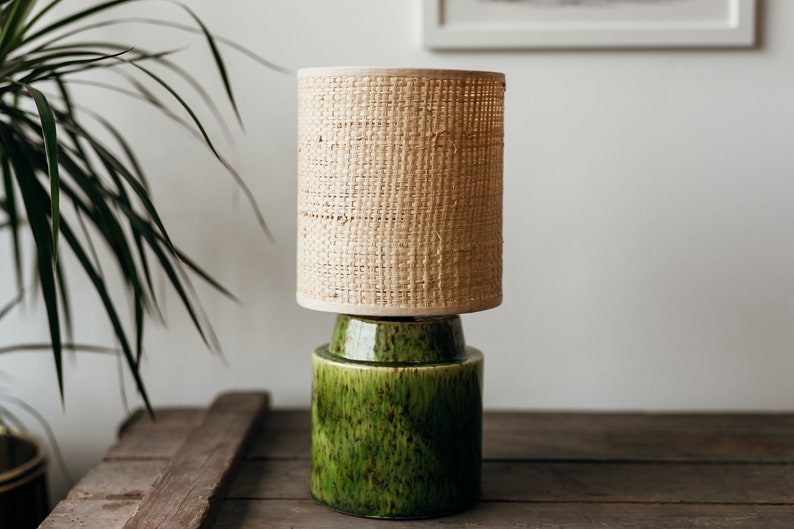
point(399, 232)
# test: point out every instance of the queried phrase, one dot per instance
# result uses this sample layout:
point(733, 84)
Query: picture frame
point(539, 24)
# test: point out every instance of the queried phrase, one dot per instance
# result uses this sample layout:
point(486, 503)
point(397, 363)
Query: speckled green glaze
point(394, 440)
point(401, 340)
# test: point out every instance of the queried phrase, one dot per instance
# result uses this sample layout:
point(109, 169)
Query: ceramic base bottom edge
point(396, 441)
point(396, 516)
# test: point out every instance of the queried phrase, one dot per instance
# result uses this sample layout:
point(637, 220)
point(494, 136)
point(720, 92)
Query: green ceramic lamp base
point(397, 418)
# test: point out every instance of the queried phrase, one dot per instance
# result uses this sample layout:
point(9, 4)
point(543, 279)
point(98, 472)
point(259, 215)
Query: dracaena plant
point(71, 183)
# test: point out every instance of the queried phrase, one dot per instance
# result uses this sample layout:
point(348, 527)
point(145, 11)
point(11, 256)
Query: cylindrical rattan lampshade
point(400, 190)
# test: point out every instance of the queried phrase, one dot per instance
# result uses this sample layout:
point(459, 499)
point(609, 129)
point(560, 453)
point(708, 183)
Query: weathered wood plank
point(639, 437)
point(290, 419)
point(542, 470)
point(173, 417)
point(193, 486)
point(285, 434)
point(638, 483)
point(272, 479)
point(118, 479)
point(568, 482)
point(90, 514)
point(290, 514)
point(699, 437)
point(140, 437)
point(149, 443)
point(274, 443)
point(714, 422)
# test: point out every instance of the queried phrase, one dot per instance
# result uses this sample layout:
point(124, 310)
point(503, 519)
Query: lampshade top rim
point(422, 73)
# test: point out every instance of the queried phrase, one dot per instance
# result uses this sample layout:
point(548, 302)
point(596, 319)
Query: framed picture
point(517, 24)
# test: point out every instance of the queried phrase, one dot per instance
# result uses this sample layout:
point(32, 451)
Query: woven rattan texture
point(400, 193)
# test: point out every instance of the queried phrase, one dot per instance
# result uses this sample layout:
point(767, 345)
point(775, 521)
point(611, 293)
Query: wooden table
point(540, 470)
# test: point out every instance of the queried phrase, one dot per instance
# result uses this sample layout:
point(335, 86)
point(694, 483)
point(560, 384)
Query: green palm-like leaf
point(50, 136)
point(62, 180)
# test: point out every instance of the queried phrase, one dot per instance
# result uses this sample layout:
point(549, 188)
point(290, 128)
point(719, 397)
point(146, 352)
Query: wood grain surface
point(541, 470)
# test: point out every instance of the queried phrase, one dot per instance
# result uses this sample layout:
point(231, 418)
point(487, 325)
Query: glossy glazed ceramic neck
point(398, 340)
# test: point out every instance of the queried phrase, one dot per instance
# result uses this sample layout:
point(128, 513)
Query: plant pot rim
point(20, 472)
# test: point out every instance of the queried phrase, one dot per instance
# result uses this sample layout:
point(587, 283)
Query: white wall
point(649, 227)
